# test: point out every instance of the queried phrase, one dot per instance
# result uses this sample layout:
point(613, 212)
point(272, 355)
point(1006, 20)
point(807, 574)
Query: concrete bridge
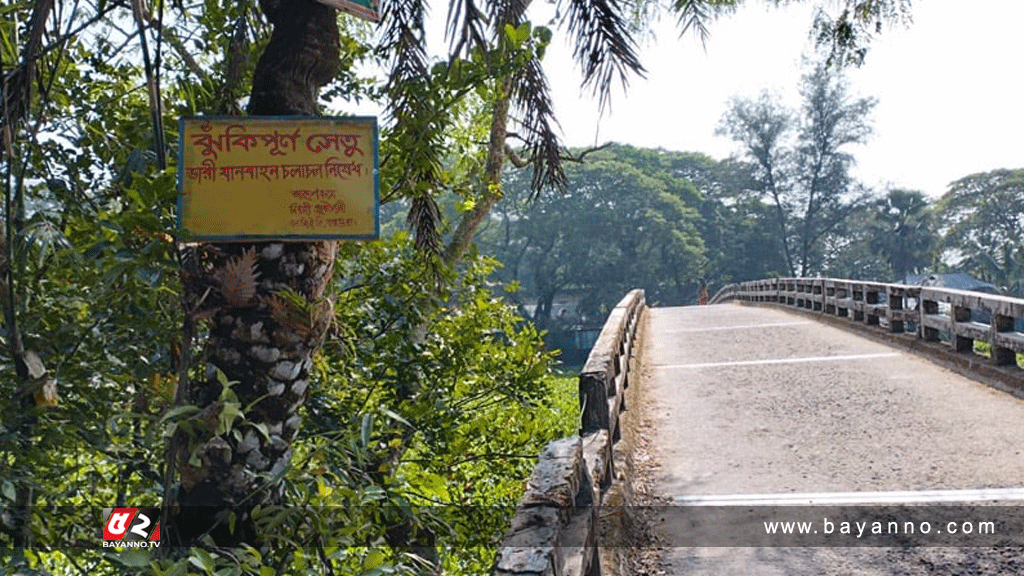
point(849, 407)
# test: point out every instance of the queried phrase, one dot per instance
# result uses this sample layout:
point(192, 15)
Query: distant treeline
point(669, 221)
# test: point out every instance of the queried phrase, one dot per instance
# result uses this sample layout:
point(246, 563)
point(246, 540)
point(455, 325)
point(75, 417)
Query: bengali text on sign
point(291, 178)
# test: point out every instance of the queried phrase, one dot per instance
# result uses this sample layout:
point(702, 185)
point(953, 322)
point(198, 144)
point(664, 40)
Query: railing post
point(961, 343)
point(843, 295)
point(871, 317)
point(896, 299)
point(830, 297)
point(928, 308)
point(1001, 356)
point(804, 288)
point(593, 390)
point(858, 302)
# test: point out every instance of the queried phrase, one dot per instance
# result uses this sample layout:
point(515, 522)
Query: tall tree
point(803, 165)
point(734, 224)
point(257, 343)
point(616, 227)
point(761, 127)
point(982, 219)
point(904, 232)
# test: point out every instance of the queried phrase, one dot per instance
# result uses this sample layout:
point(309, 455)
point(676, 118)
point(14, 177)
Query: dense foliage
point(615, 228)
point(423, 355)
point(423, 358)
point(711, 224)
point(803, 161)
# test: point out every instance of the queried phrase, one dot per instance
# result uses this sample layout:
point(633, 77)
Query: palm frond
point(417, 130)
point(424, 218)
point(532, 97)
point(18, 83)
point(404, 44)
point(697, 15)
point(507, 12)
point(604, 46)
point(465, 28)
point(238, 279)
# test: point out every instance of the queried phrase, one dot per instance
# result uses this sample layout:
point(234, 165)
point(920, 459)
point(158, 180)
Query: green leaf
point(517, 36)
point(180, 412)
point(261, 427)
point(203, 560)
point(396, 417)
point(227, 417)
point(179, 568)
point(366, 429)
point(374, 559)
point(8, 491)
point(134, 557)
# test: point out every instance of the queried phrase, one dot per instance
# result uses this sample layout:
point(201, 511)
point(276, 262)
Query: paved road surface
point(754, 403)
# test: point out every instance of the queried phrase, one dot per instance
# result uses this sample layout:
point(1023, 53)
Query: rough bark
point(268, 312)
point(18, 83)
point(302, 56)
point(490, 185)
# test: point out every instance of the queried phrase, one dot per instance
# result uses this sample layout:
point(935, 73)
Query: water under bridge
point(843, 408)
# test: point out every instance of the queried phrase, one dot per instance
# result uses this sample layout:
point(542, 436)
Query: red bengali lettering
point(347, 143)
point(207, 171)
point(243, 141)
point(208, 144)
point(318, 194)
point(277, 142)
point(293, 171)
point(334, 168)
point(307, 223)
point(329, 208)
point(268, 172)
point(236, 135)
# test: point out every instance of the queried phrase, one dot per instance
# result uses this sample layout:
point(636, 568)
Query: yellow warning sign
point(283, 178)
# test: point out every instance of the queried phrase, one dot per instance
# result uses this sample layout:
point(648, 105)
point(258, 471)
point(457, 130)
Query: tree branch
point(578, 159)
point(520, 162)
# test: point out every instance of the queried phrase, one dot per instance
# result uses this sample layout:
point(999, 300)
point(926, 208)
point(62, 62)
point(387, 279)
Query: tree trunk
point(257, 344)
point(488, 192)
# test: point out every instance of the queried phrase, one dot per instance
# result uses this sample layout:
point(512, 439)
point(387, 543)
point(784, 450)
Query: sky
point(949, 88)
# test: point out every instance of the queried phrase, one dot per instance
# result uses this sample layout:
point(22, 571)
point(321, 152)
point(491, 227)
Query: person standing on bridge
point(702, 294)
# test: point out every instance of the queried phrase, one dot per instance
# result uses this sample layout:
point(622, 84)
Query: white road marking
point(781, 361)
point(740, 327)
point(854, 498)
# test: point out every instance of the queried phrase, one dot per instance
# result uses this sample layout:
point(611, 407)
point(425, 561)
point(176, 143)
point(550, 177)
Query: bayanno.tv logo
point(131, 527)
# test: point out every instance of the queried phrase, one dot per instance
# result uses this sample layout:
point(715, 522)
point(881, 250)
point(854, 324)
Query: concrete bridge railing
point(555, 527)
point(956, 317)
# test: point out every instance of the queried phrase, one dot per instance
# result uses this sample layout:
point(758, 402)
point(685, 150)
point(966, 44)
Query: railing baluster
point(961, 317)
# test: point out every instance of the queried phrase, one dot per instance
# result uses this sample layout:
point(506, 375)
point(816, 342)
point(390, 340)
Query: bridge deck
point(758, 403)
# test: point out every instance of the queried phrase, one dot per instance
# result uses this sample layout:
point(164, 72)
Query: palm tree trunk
point(255, 343)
